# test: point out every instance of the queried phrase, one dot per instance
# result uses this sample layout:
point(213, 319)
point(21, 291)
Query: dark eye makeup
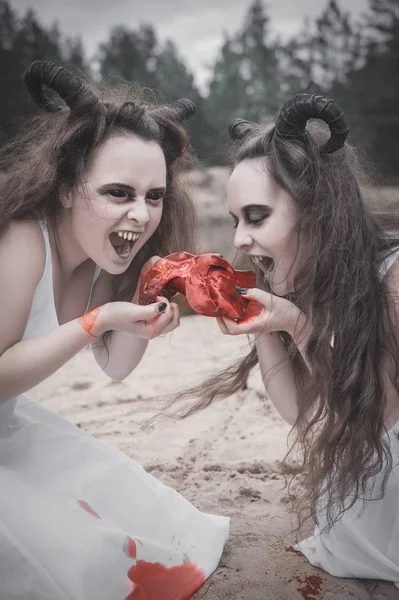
point(117, 193)
point(121, 191)
point(156, 195)
point(254, 214)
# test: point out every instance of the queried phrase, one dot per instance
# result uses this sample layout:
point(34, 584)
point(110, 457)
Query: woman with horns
point(90, 192)
point(327, 339)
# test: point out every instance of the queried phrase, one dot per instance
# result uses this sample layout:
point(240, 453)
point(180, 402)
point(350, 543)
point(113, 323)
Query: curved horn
point(184, 108)
point(240, 128)
point(293, 116)
point(45, 73)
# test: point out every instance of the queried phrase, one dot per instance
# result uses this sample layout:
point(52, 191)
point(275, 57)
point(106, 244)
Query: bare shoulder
point(22, 261)
point(22, 249)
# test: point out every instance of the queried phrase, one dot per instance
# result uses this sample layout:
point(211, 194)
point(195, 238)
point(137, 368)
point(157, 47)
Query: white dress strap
point(44, 228)
point(96, 276)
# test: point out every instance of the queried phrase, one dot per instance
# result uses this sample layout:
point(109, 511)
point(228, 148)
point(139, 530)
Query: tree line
point(254, 72)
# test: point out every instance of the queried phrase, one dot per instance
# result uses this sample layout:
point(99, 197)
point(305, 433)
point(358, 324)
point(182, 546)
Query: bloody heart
point(208, 282)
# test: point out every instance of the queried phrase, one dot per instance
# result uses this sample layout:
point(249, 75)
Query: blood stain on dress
point(311, 585)
point(153, 581)
point(86, 506)
point(130, 548)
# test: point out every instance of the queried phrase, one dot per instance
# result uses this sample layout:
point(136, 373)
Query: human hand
point(147, 322)
point(278, 314)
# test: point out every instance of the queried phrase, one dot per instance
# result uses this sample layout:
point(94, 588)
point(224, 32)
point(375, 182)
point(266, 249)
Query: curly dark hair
point(53, 150)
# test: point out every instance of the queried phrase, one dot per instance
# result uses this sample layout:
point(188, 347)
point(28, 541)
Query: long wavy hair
point(53, 150)
point(341, 399)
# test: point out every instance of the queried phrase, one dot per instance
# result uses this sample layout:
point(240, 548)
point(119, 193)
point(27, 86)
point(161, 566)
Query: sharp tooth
point(124, 235)
point(136, 237)
point(120, 233)
point(129, 236)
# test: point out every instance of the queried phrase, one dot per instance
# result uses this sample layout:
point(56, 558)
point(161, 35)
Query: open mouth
point(265, 264)
point(123, 242)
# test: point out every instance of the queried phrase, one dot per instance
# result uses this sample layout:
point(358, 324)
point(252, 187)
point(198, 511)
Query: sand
point(225, 459)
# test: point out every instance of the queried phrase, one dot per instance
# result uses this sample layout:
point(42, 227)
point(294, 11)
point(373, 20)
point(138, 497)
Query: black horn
point(67, 85)
point(183, 108)
point(293, 116)
point(239, 129)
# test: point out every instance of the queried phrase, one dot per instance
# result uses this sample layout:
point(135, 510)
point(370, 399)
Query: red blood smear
point(130, 547)
point(310, 586)
point(86, 506)
point(153, 581)
point(88, 320)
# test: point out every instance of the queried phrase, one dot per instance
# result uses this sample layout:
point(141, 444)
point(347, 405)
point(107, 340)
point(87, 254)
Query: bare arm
point(124, 350)
point(122, 354)
point(275, 364)
point(28, 362)
point(277, 375)
point(24, 363)
point(277, 372)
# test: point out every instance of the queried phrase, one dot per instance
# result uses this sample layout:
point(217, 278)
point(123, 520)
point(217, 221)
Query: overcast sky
point(196, 26)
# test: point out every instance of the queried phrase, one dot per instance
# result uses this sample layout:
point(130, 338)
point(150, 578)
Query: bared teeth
point(265, 263)
point(257, 259)
point(122, 241)
point(128, 235)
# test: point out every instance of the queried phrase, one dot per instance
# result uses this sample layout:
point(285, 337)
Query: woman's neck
point(70, 256)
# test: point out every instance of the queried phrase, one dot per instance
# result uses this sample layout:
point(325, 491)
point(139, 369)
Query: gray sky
point(196, 26)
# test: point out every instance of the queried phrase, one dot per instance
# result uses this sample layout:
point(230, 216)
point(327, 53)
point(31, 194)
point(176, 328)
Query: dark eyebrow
point(129, 188)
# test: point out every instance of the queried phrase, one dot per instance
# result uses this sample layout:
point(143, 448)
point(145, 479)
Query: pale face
point(265, 218)
point(119, 205)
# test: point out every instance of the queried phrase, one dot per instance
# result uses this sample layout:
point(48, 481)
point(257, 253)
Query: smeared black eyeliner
point(124, 187)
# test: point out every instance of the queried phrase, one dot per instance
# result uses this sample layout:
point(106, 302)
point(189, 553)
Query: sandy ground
point(225, 460)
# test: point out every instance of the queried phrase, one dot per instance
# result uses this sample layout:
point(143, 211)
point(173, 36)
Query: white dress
point(365, 542)
point(79, 520)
